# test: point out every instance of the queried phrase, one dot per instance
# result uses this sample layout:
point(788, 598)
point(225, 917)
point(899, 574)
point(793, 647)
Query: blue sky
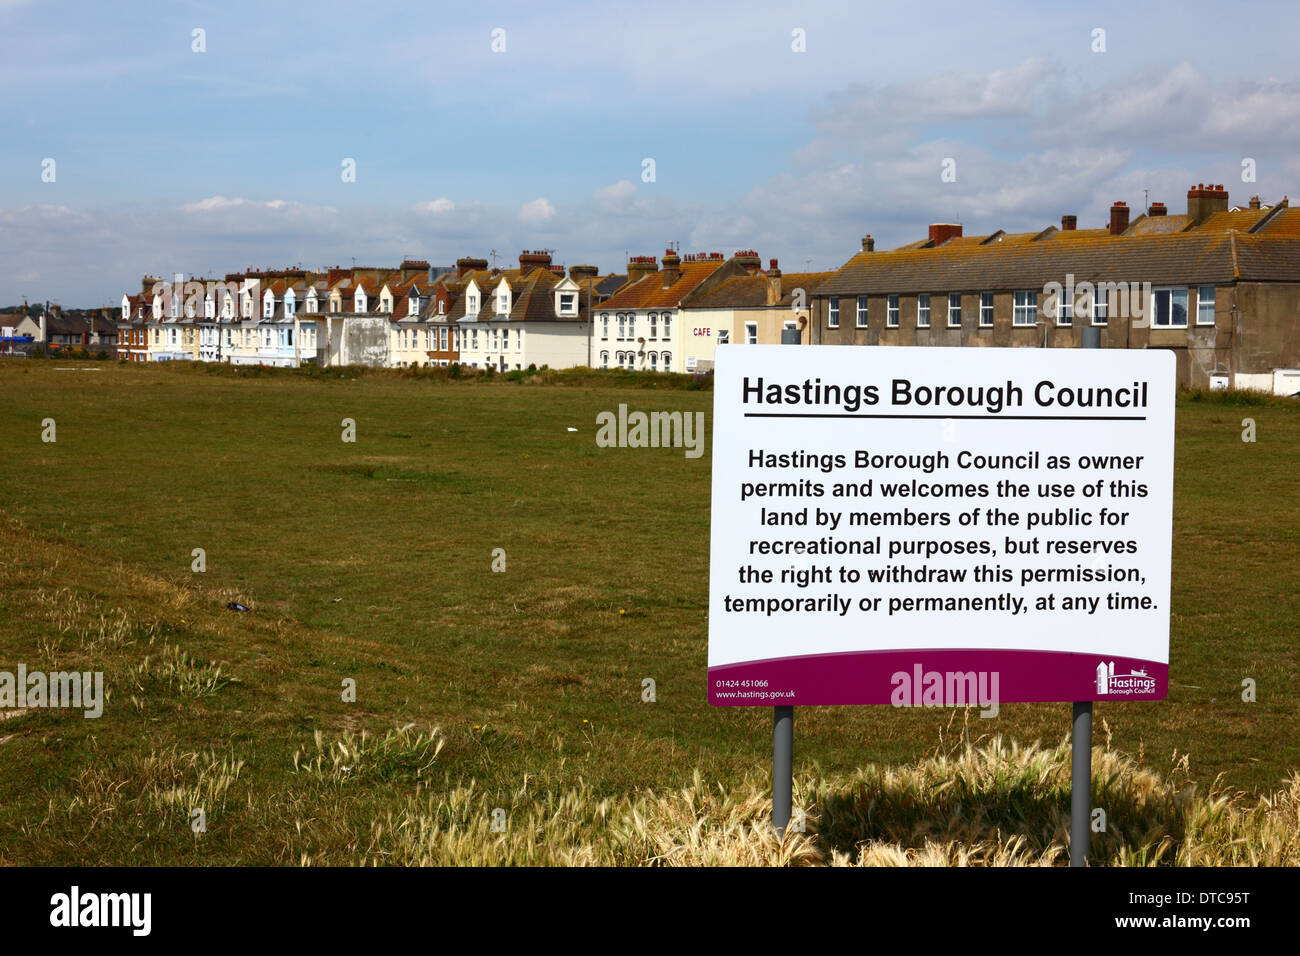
point(169, 160)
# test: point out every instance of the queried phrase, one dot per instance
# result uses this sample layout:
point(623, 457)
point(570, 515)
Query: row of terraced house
point(660, 315)
point(1218, 285)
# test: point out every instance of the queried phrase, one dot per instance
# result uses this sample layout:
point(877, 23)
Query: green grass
point(372, 561)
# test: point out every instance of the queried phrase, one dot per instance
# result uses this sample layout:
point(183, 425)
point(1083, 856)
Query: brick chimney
point(773, 283)
point(410, 268)
point(147, 284)
point(749, 260)
point(672, 264)
point(335, 275)
point(638, 267)
point(868, 244)
point(465, 266)
point(583, 273)
point(1069, 223)
point(941, 232)
point(1254, 202)
point(1157, 209)
point(534, 260)
point(1203, 201)
point(1118, 218)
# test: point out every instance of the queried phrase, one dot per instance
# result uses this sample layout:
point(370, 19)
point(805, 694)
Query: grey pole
point(782, 768)
point(1081, 783)
point(1081, 731)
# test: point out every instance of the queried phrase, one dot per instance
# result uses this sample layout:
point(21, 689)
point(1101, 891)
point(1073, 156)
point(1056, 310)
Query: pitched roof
point(1212, 252)
point(648, 292)
point(751, 291)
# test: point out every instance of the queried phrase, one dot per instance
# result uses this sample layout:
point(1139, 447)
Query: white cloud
point(537, 212)
point(214, 203)
point(616, 198)
point(435, 207)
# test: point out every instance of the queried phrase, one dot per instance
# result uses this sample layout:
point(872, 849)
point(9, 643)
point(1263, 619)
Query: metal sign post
point(1081, 783)
point(1081, 730)
point(782, 769)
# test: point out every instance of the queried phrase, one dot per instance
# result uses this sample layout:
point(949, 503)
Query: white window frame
point(923, 308)
point(862, 312)
point(1099, 314)
point(751, 333)
point(833, 312)
point(986, 308)
point(954, 310)
point(1170, 291)
point(1202, 302)
point(1024, 304)
point(891, 311)
point(1064, 310)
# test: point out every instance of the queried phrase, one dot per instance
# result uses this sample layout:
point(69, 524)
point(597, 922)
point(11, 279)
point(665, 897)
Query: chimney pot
point(1204, 201)
point(1069, 223)
point(868, 244)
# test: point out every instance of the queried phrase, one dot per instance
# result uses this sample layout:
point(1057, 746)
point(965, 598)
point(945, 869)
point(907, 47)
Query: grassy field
point(521, 690)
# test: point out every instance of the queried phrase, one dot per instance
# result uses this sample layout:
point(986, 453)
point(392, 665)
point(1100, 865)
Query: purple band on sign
point(936, 677)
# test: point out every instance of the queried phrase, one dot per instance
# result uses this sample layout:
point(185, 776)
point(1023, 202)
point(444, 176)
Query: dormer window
point(503, 302)
point(568, 303)
point(415, 306)
point(209, 308)
point(268, 306)
point(442, 306)
point(471, 304)
point(359, 302)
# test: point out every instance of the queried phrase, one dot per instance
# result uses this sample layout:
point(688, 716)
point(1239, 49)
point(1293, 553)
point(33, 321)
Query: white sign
point(906, 525)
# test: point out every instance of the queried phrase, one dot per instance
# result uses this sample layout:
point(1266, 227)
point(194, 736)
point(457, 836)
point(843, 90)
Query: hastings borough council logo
point(1123, 685)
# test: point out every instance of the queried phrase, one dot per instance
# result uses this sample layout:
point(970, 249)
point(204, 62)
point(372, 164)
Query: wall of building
point(363, 340)
point(699, 334)
point(557, 344)
point(1266, 329)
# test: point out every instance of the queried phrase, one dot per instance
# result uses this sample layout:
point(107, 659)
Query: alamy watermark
point(74, 689)
point(1098, 302)
point(651, 430)
point(922, 688)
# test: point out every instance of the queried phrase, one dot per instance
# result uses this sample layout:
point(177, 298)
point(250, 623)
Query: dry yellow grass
point(993, 805)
